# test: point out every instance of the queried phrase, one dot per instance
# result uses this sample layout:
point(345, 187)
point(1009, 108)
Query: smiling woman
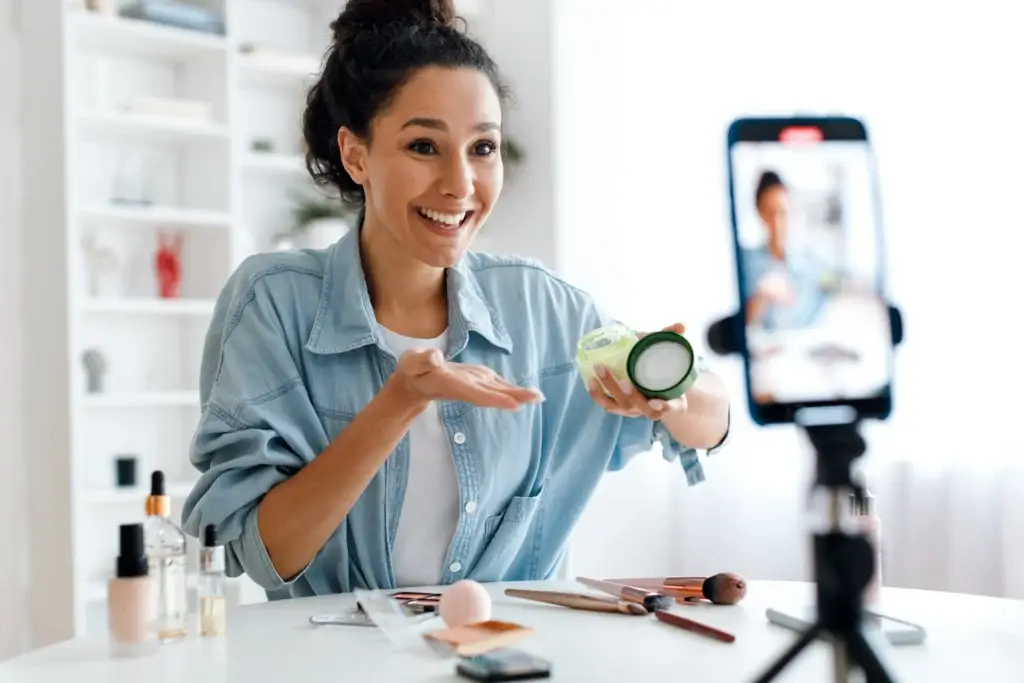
point(397, 410)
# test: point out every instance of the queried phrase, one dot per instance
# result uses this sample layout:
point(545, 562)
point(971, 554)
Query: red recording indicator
point(801, 135)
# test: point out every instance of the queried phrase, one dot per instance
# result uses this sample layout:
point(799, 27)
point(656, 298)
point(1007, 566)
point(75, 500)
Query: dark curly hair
point(378, 45)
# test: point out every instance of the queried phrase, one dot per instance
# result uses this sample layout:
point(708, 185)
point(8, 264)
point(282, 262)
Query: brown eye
point(485, 149)
point(425, 147)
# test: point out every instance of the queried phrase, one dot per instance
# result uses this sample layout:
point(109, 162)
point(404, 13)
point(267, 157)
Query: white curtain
point(938, 89)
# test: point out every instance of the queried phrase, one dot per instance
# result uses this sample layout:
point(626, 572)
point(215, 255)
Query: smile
point(448, 221)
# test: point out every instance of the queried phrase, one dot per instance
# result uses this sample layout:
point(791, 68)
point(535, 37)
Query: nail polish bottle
point(130, 613)
point(212, 616)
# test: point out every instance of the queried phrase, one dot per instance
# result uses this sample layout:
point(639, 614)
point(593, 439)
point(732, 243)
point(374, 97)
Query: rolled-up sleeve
point(257, 426)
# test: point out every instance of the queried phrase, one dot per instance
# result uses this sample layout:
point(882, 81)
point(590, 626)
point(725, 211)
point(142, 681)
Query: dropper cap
point(158, 503)
point(131, 561)
point(210, 536)
point(157, 486)
point(211, 556)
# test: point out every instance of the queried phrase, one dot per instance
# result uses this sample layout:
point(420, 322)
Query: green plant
point(512, 153)
point(307, 208)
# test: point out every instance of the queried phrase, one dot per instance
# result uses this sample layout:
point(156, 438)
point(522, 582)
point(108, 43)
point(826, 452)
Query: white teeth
point(452, 219)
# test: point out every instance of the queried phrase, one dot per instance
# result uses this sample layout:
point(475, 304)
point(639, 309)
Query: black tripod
point(843, 561)
point(843, 565)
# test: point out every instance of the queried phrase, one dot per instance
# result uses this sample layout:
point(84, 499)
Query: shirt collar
point(345, 319)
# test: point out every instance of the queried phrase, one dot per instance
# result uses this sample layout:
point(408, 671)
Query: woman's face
point(773, 208)
point(432, 170)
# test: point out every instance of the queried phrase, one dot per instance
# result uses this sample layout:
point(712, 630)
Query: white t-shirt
point(430, 511)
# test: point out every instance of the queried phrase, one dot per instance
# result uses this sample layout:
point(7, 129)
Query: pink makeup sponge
point(465, 602)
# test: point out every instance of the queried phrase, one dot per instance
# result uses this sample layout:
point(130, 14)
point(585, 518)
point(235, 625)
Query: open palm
point(427, 376)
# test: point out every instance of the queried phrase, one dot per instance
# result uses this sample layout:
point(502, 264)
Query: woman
point(785, 281)
point(395, 410)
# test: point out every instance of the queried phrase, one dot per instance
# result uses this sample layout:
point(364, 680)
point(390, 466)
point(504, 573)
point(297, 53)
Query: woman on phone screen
point(395, 410)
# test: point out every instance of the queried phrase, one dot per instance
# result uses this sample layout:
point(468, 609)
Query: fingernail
point(626, 387)
point(537, 397)
point(656, 404)
point(601, 372)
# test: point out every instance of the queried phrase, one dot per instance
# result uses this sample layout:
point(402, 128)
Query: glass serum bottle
point(165, 552)
point(212, 603)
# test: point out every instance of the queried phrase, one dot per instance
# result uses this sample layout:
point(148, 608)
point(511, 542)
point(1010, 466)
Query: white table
point(970, 639)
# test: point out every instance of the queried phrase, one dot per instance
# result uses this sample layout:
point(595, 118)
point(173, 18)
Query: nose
point(457, 178)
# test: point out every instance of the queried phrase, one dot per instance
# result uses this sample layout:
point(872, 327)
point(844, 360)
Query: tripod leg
point(789, 655)
point(867, 654)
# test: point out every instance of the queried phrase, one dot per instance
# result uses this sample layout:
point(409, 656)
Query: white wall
point(644, 97)
point(13, 566)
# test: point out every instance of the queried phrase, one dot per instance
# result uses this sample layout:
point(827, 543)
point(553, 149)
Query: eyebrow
point(438, 124)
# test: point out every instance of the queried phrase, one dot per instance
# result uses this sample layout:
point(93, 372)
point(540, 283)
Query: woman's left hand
point(622, 398)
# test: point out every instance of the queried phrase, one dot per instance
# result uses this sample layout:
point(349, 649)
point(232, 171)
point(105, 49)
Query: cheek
point(490, 181)
point(397, 182)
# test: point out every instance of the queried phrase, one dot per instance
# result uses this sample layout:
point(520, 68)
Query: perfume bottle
point(165, 552)
point(130, 616)
point(212, 607)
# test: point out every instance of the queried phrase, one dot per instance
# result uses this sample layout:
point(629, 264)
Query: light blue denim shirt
point(293, 354)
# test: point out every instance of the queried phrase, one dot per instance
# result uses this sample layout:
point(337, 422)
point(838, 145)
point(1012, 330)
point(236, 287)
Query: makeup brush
point(577, 601)
point(651, 600)
point(724, 588)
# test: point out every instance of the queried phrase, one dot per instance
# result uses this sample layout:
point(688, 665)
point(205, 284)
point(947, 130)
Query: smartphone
point(817, 340)
point(506, 664)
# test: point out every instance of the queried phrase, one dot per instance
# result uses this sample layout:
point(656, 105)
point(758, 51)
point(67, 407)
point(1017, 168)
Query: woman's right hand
point(424, 375)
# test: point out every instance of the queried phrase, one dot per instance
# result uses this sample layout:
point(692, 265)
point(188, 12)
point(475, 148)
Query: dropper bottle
point(212, 607)
point(165, 550)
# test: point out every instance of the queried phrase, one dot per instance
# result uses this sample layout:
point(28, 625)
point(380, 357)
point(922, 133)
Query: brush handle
point(575, 601)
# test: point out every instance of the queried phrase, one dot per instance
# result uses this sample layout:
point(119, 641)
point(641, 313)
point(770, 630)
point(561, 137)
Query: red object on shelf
point(168, 265)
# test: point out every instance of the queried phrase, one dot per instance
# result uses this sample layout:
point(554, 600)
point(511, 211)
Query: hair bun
point(375, 14)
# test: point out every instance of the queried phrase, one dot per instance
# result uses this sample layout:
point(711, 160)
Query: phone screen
point(809, 252)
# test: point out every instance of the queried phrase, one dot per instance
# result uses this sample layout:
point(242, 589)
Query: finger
point(627, 397)
point(484, 397)
point(602, 399)
point(657, 407)
point(522, 394)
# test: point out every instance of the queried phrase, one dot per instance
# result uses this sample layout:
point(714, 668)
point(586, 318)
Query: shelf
point(182, 307)
point(274, 163)
point(163, 128)
point(153, 399)
point(282, 69)
point(158, 216)
point(135, 36)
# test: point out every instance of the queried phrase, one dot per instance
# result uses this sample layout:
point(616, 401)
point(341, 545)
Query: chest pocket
point(504, 535)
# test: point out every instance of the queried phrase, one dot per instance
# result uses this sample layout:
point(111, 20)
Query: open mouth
point(444, 221)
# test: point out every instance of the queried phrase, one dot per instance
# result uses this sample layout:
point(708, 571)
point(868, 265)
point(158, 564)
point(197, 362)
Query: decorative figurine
point(95, 367)
point(168, 265)
point(101, 264)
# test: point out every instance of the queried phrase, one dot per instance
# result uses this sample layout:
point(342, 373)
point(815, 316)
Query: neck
point(408, 296)
point(777, 249)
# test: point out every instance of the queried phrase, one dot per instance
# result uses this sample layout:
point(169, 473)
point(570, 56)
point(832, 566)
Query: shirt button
point(471, 507)
point(454, 567)
point(460, 438)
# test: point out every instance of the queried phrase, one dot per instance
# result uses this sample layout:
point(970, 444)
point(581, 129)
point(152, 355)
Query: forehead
point(462, 98)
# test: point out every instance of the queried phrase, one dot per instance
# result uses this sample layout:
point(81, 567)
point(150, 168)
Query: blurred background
point(144, 151)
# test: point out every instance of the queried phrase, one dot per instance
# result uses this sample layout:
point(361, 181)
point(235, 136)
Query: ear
point(353, 154)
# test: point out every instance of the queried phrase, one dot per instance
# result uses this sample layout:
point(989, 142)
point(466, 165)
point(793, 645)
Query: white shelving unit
point(104, 175)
